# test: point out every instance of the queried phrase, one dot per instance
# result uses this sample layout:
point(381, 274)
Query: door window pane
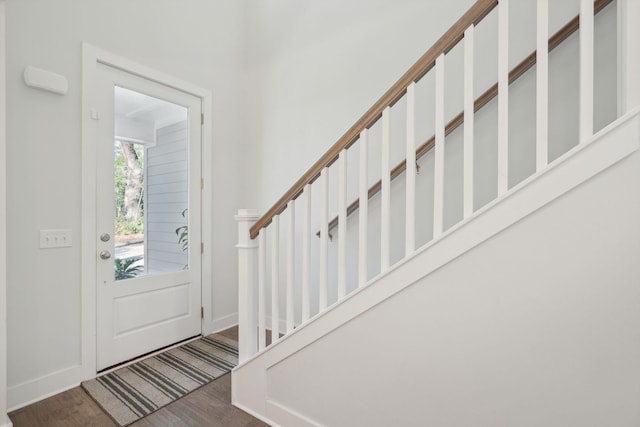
point(150, 185)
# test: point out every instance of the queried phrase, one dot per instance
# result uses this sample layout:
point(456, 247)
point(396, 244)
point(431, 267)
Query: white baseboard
point(288, 416)
point(276, 410)
point(7, 423)
point(255, 414)
point(220, 324)
point(32, 391)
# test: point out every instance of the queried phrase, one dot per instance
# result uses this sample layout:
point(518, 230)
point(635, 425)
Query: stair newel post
point(247, 302)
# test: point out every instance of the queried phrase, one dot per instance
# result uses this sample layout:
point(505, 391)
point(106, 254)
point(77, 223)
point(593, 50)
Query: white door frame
point(91, 57)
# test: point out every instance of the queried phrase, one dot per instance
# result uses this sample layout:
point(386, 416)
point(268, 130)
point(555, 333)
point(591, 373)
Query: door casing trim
point(91, 56)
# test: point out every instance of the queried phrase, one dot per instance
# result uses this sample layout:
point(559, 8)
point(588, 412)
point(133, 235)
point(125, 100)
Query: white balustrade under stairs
point(281, 261)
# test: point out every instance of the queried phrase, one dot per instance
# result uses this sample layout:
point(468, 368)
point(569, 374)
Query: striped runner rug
point(137, 390)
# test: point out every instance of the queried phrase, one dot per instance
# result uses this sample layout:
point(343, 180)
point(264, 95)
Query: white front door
point(148, 216)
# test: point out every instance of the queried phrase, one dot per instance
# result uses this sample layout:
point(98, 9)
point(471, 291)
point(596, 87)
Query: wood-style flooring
point(208, 406)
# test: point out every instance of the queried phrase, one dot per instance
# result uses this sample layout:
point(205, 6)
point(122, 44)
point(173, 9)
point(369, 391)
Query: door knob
point(105, 254)
point(105, 237)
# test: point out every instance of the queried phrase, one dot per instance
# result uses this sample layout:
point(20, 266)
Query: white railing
point(306, 270)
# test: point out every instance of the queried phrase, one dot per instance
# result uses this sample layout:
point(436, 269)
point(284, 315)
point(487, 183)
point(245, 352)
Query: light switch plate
point(55, 239)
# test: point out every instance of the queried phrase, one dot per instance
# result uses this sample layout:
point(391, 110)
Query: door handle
point(105, 254)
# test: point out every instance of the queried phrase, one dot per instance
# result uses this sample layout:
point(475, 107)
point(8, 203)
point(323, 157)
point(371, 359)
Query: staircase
point(446, 292)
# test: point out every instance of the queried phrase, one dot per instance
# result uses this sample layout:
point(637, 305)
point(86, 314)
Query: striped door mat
point(137, 390)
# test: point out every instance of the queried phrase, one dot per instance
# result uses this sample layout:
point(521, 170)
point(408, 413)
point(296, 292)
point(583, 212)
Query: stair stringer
point(253, 388)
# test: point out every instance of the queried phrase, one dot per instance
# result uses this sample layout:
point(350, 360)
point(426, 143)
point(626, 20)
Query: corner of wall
point(220, 324)
point(4, 419)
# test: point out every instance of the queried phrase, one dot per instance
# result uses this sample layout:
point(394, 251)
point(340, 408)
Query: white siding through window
point(167, 186)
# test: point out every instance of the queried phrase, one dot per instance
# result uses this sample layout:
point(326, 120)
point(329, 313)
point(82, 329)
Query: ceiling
point(136, 105)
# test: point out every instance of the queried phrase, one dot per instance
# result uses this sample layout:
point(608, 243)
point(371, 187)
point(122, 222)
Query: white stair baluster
point(410, 173)
point(262, 267)
point(363, 210)
point(586, 69)
point(468, 123)
point(342, 224)
point(291, 234)
point(275, 279)
point(438, 169)
point(385, 199)
point(503, 97)
point(324, 238)
point(542, 85)
point(628, 55)
point(306, 253)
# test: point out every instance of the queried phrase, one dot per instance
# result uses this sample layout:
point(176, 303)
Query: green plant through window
point(183, 233)
point(125, 268)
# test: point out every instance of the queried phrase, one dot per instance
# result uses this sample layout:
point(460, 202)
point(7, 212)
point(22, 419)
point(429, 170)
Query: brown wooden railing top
point(448, 41)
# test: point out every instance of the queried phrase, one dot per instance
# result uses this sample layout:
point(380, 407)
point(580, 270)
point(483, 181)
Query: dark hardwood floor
point(207, 406)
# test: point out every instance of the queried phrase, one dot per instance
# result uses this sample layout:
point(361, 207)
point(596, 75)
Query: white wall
point(199, 41)
point(316, 67)
point(4, 420)
point(525, 315)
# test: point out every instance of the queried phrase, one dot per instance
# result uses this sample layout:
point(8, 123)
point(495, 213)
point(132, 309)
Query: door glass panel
point(150, 185)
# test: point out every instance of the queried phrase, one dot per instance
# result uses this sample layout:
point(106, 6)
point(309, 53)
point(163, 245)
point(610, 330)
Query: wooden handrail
point(554, 41)
point(447, 42)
